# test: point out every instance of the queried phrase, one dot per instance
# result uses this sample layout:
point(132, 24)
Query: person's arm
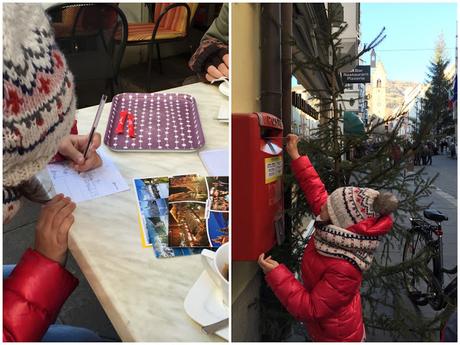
point(306, 175)
point(310, 183)
point(39, 285)
point(33, 296)
point(211, 60)
point(337, 287)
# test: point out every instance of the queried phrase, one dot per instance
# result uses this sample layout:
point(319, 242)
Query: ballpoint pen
point(96, 121)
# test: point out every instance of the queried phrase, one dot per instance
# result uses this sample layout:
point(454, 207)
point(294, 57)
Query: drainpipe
point(271, 83)
point(286, 68)
point(286, 73)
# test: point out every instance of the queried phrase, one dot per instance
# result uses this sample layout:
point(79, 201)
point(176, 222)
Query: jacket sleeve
point(310, 183)
point(336, 289)
point(219, 27)
point(33, 295)
point(210, 52)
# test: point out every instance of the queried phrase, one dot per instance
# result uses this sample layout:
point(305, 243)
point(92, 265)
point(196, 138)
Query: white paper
point(93, 184)
point(216, 162)
point(223, 113)
point(271, 148)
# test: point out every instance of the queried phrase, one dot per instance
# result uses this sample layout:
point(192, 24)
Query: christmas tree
point(436, 119)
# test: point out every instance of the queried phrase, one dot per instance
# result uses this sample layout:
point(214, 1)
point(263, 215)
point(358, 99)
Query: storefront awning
point(352, 124)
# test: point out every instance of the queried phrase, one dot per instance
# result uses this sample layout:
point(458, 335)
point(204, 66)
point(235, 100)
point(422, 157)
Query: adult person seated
point(38, 114)
point(211, 60)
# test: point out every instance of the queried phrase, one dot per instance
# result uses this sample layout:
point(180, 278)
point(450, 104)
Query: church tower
point(373, 58)
point(377, 88)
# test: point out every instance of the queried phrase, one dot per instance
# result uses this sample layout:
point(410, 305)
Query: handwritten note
point(99, 182)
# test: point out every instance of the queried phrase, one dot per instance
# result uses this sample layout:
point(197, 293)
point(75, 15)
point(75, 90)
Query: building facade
point(305, 112)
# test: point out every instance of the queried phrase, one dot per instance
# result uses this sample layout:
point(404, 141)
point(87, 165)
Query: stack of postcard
point(181, 215)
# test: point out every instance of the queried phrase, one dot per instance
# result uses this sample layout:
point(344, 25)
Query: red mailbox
point(257, 184)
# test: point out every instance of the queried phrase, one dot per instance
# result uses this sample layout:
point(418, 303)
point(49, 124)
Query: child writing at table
point(38, 114)
point(349, 223)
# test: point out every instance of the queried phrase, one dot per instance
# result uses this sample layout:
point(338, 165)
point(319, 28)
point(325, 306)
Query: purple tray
point(163, 122)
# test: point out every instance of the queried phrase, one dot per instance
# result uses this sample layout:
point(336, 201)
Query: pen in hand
point(94, 126)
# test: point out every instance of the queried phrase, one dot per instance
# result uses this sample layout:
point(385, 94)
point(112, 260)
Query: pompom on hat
point(348, 207)
point(38, 98)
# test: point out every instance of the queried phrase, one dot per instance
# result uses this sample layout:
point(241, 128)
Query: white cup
point(214, 263)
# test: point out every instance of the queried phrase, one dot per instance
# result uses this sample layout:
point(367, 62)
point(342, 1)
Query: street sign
point(361, 74)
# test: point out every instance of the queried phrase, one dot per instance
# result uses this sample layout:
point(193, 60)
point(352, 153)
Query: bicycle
point(424, 279)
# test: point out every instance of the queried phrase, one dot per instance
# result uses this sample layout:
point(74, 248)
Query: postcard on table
point(219, 210)
point(152, 196)
point(198, 211)
point(96, 183)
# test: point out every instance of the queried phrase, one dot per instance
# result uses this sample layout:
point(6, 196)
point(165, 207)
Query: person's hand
point(220, 71)
point(73, 146)
point(267, 264)
point(51, 232)
point(291, 146)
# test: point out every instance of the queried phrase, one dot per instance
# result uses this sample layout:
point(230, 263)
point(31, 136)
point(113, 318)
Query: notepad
point(103, 181)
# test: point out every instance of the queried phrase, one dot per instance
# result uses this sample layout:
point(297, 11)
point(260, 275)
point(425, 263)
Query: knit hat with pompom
point(350, 205)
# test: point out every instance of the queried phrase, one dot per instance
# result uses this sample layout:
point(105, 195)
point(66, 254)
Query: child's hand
point(51, 232)
point(291, 146)
point(73, 146)
point(267, 264)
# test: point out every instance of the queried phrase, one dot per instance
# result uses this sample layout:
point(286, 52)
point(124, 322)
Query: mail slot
point(257, 184)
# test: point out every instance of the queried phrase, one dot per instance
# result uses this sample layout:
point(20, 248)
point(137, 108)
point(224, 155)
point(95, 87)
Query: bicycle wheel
point(421, 284)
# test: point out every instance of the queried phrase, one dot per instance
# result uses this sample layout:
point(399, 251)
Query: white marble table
point(143, 296)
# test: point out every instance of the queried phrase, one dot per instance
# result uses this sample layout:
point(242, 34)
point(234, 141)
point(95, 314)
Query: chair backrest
point(86, 35)
point(176, 18)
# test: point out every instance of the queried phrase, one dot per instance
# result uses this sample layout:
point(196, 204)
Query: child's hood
point(373, 226)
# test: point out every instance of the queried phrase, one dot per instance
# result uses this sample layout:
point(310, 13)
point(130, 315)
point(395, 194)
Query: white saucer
point(204, 305)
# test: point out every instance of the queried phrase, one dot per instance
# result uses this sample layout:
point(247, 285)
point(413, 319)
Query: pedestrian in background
point(424, 154)
point(453, 151)
point(410, 154)
point(429, 153)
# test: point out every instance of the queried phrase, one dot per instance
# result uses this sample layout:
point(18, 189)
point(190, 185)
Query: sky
point(414, 26)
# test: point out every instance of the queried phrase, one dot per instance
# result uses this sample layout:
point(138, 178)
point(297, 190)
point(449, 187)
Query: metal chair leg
point(113, 83)
point(159, 58)
point(149, 70)
point(109, 87)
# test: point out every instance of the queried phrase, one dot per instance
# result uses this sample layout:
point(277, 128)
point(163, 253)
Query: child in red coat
point(348, 226)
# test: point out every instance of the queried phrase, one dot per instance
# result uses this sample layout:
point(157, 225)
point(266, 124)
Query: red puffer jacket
point(329, 302)
point(33, 296)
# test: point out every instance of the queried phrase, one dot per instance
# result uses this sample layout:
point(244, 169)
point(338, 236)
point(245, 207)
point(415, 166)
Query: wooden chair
point(171, 22)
